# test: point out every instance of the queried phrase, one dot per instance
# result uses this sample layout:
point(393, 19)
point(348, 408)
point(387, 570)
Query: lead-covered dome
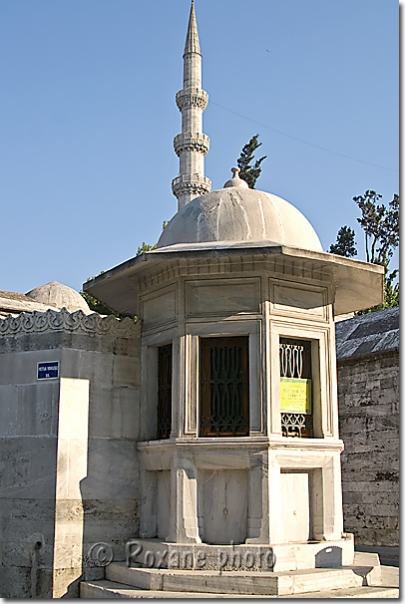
point(237, 213)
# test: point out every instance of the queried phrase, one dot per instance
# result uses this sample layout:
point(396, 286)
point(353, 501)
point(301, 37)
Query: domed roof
point(238, 213)
point(58, 296)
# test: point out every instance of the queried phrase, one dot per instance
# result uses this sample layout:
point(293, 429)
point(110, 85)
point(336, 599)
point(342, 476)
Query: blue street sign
point(48, 371)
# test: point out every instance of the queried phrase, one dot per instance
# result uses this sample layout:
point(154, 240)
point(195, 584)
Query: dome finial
point(236, 180)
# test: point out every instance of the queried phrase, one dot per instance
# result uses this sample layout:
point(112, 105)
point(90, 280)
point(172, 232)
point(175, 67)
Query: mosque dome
point(58, 296)
point(238, 213)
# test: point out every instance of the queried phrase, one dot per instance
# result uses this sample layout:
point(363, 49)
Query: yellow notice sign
point(295, 395)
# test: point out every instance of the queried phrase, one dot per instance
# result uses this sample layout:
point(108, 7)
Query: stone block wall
point(68, 460)
point(368, 394)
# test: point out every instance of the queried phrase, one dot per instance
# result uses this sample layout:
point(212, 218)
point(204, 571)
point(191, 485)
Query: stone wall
point(68, 460)
point(368, 393)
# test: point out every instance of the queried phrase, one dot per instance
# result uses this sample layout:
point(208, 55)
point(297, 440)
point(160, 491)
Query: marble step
point(112, 590)
point(238, 582)
point(156, 553)
point(389, 556)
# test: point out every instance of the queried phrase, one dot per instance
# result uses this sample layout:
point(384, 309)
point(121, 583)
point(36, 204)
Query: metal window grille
point(295, 367)
point(164, 415)
point(224, 391)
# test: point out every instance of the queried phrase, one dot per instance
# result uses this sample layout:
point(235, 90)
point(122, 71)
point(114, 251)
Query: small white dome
point(58, 296)
point(236, 213)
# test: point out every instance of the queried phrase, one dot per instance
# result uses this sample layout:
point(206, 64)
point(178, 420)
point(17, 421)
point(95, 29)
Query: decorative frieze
point(51, 320)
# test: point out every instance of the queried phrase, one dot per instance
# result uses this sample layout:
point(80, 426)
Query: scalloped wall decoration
point(51, 320)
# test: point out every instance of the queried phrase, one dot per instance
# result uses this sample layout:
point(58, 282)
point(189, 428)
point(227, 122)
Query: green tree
point(380, 224)
point(248, 171)
point(145, 247)
point(345, 243)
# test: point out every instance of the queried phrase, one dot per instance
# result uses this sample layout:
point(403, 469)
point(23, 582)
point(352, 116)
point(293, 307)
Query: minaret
point(191, 145)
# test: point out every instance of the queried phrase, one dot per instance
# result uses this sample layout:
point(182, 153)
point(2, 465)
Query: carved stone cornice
point(192, 97)
point(235, 266)
point(191, 142)
point(78, 322)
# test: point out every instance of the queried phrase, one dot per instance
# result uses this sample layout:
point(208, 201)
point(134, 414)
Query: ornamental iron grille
point(295, 388)
point(224, 391)
point(164, 415)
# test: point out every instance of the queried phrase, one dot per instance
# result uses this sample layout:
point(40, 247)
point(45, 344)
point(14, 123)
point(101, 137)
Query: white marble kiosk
point(238, 279)
point(257, 486)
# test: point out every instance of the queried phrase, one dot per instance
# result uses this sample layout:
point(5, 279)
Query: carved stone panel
point(295, 506)
point(230, 296)
point(160, 307)
point(224, 495)
point(293, 300)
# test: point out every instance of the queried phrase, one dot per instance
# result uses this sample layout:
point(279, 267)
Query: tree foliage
point(248, 171)
point(380, 224)
point(145, 247)
point(345, 243)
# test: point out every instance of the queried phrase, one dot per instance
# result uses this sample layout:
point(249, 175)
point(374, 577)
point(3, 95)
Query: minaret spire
point(191, 145)
point(192, 40)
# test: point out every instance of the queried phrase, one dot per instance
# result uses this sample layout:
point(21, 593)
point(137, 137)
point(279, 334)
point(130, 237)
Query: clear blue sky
point(88, 116)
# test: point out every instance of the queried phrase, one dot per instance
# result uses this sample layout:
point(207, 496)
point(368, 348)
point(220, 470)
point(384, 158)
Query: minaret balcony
point(195, 184)
point(198, 142)
point(192, 97)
